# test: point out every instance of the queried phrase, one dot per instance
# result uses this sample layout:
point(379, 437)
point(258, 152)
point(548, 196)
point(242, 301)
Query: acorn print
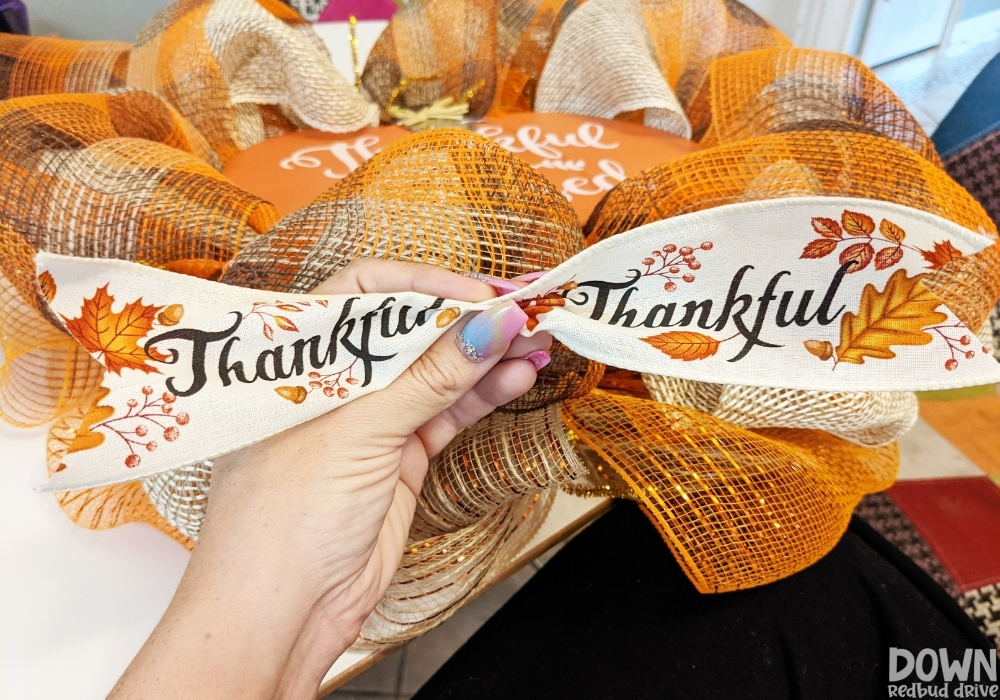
point(295, 394)
point(821, 349)
point(171, 315)
point(447, 316)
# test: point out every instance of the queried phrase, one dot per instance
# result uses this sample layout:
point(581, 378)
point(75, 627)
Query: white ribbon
point(197, 368)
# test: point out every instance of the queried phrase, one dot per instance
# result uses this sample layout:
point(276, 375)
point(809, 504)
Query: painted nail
point(498, 283)
point(490, 331)
point(531, 276)
point(539, 358)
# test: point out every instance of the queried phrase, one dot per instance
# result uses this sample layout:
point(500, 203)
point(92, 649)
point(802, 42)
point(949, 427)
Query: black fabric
point(613, 616)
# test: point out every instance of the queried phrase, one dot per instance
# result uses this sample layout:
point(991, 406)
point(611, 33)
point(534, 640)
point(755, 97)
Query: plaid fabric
point(977, 168)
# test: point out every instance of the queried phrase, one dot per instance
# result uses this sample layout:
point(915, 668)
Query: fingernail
point(490, 331)
point(498, 283)
point(539, 358)
point(531, 276)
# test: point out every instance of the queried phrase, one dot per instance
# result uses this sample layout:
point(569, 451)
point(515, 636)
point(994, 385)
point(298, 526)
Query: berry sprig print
point(960, 347)
point(142, 424)
point(670, 260)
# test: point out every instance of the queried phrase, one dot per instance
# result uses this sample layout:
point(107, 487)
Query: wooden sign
point(582, 156)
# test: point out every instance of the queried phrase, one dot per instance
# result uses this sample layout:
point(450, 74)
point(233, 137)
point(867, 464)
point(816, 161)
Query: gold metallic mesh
point(439, 574)
point(790, 89)
point(484, 52)
point(445, 196)
point(500, 457)
point(737, 508)
point(808, 163)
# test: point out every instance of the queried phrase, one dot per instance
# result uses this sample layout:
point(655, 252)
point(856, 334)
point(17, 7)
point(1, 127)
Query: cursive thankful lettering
point(349, 340)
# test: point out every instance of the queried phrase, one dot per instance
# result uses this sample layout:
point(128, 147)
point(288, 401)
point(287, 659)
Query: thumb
point(450, 368)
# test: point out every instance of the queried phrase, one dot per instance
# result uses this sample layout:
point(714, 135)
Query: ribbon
point(817, 293)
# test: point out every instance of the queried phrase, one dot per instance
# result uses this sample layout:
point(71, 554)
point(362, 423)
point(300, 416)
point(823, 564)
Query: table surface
point(76, 605)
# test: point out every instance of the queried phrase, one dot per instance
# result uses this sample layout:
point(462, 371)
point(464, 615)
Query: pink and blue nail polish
point(490, 331)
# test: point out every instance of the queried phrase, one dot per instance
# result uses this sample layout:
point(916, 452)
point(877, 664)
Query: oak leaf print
point(113, 337)
point(944, 252)
point(897, 315)
point(87, 439)
point(684, 345)
point(857, 224)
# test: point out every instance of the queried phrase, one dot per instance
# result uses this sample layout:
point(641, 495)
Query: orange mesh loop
point(808, 163)
point(738, 508)
point(83, 177)
point(444, 196)
point(44, 372)
point(779, 90)
point(41, 65)
point(688, 35)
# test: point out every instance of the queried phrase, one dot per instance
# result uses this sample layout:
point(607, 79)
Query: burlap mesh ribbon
point(746, 485)
point(603, 65)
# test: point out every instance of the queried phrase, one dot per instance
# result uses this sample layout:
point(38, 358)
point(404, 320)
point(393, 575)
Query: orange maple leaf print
point(113, 337)
point(944, 252)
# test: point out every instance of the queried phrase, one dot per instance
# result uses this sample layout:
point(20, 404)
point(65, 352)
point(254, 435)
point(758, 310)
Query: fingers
point(374, 276)
point(449, 369)
point(504, 383)
point(521, 345)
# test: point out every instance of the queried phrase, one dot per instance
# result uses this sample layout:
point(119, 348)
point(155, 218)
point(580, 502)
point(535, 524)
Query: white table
point(76, 605)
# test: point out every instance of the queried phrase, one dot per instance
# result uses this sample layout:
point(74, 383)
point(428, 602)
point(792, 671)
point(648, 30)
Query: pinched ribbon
point(833, 302)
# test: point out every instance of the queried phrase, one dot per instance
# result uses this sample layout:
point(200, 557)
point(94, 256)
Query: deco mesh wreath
point(110, 150)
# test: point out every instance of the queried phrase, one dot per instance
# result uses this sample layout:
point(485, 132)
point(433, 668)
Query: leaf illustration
point(943, 253)
point(291, 308)
point(887, 257)
point(684, 345)
point(268, 331)
point(114, 337)
point(819, 248)
point(895, 316)
point(47, 285)
point(285, 324)
point(827, 228)
point(860, 253)
point(85, 438)
point(322, 302)
point(891, 231)
point(445, 317)
point(857, 224)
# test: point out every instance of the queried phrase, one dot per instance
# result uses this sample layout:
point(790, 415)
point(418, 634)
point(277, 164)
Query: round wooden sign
point(583, 157)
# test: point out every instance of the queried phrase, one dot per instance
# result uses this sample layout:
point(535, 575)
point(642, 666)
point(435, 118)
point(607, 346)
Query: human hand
point(305, 530)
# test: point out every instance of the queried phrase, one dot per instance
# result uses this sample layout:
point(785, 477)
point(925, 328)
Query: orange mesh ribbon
point(737, 508)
